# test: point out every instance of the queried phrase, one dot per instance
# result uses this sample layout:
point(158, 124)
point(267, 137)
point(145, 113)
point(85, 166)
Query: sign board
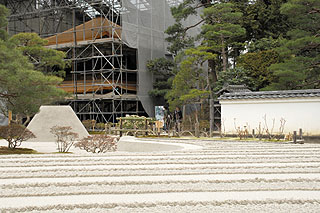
point(159, 113)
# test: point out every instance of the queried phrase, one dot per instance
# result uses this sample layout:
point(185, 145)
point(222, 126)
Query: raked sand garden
point(194, 176)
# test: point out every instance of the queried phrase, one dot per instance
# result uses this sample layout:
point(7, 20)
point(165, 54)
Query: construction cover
point(143, 27)
point(50, 116)
point(3, 118)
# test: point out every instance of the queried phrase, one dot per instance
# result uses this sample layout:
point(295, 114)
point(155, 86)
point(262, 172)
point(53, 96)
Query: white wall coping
point(270, 101)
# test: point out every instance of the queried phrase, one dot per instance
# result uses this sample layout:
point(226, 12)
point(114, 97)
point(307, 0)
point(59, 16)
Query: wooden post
point(9, 117)
point(120, 127)
point(181, 127)
point(146, 126)
point(109, 129)
point(211, 109)
point(197, 130)
point(294, 137)
point(158, 123)
point(300, 134)
point(253, 135)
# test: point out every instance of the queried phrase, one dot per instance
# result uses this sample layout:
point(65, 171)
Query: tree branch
point(192, 26)
point(202, 5)
point(4, 95)
point(314, 10)
point(308, 84)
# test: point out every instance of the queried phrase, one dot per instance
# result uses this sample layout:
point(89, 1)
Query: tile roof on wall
point(233, 88)
point(271, 94)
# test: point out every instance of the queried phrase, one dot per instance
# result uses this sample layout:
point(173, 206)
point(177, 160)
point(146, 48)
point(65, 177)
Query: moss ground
point(6, 151)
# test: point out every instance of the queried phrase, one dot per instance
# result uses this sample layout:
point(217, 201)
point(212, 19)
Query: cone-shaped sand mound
point(50, 116)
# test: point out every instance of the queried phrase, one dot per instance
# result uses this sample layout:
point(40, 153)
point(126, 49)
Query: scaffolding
point(108, 44)
point(103, 76)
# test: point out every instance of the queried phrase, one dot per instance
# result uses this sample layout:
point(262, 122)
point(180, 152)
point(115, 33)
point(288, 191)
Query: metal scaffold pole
point(90, 33)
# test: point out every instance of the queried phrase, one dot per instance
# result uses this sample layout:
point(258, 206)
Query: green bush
point(89, 124)
point(100, 126)
point(134, 122)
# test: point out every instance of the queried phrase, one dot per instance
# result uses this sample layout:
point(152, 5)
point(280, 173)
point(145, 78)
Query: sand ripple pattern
point(221, 177)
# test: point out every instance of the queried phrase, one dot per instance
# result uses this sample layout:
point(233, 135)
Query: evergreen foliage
point(300, 51)
point(281, 39)
point(47, 60)
point(256, 64)
point(23, 89)
point(163, 71)
point(263, 19)
point(190, 83)
point(4, 12)
point(222, 30)
point(235, 76)
point(23, 85)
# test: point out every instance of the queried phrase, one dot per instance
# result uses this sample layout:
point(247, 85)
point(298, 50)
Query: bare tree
point(15, 134)
point(64, 137)
point(241, 132)
point(260, 131)
point(281, 129)
point(269, 132)
point(98, 143)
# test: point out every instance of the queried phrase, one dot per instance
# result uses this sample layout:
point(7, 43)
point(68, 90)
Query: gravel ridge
point(220, 177)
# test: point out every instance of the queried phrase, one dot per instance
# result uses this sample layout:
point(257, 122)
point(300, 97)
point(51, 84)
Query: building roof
point(232, 89)
point(271, 94)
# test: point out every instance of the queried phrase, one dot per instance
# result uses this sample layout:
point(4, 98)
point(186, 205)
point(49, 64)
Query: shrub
point(64, 137)
point(133, 122)
point(89, 124)
point(15, 134)
point(100, 126)
point(98, 143)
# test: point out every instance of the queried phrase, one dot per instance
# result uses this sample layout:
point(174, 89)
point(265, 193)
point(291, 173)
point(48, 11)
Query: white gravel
point(204, 176)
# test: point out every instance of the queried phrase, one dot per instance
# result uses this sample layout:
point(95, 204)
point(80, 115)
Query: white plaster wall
point(298, 112)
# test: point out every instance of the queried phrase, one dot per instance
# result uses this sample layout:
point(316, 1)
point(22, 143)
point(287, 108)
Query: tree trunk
point(213, 72)
point(17, 120)
point(183, 116)
point(196, 115)
point(211, 67)
point(27, 121)
point(197, 130)
point(223, 54)
point(211, 114)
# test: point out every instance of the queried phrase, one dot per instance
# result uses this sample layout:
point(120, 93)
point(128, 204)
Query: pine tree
point(4, 12)
point(163, 72)
point(300, 67)
point(222, 29)
point(23, 88)
point(46, 60)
